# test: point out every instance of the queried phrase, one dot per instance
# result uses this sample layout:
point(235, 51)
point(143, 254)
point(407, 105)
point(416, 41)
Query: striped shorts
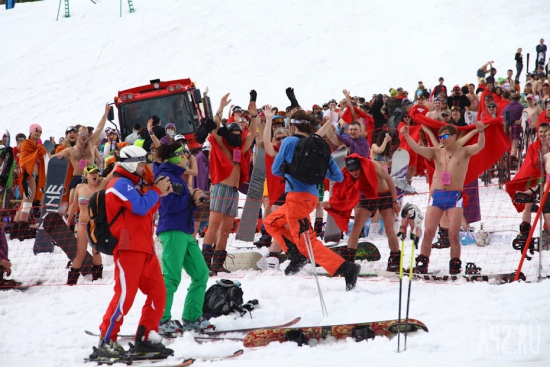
point(224, 199)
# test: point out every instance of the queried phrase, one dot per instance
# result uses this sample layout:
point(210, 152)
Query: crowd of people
point(153, 178)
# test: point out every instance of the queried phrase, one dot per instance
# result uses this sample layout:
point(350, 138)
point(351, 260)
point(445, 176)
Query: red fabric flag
point(527, 175)
point(496, 143)
point(345, 194)
point(221, 166)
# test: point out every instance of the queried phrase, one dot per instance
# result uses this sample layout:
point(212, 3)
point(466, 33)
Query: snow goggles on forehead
point(146, 158)
point(444, 136)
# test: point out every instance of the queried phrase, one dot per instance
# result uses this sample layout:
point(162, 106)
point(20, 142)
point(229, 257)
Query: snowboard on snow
point(359, 331)
point(399, 168)
point(253, 203)
point(53, 194)
point(365, 251)
point(332, 232)
point(242, 260)
point(10, 4)
point(56, 228)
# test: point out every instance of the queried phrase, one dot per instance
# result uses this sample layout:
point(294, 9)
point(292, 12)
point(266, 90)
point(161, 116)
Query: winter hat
point(406, 102)
point(446, 112)
point(393, 93)
point(34, 127)
point(170, 126)
point(353, 164)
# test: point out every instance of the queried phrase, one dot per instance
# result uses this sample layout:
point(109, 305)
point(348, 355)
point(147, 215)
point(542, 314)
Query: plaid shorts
point(224, 199)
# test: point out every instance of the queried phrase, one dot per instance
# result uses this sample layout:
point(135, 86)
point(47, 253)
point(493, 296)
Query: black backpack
point(99, 229)
point(223, 298)
point(311, 160)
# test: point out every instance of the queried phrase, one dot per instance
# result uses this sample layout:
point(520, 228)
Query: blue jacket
point(175, 211)
point(286, 153)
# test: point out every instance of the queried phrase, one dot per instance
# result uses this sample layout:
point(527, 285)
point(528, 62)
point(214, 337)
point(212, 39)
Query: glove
point(292, 97)
point(204, 129)
point(253, 95)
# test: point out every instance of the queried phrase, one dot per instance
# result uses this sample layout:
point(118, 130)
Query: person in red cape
point(275, 185)
point(453, 168)
point(482, 102)
point(366, 187)
point(229, 168)
point(353, 113)
point(529, 173)
point(414, 132)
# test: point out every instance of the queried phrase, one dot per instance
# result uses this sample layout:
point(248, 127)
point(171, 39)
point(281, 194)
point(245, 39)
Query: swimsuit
point(446, 199)
point(224, 199)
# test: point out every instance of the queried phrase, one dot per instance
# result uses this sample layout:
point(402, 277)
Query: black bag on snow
point(99, 229)
point(223, 298)
point(311, 160)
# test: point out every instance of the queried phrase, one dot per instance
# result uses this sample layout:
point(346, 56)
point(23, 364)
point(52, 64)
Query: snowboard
point(10, 4)
point(365, 251)
point(253, 203)
point(332, 232)
point(262, 337)
point(56, 228)
point(399, 167)
point(49, 146)
point(242, 260)
point(53, 193)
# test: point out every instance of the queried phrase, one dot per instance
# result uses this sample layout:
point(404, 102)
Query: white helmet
point(131, 156)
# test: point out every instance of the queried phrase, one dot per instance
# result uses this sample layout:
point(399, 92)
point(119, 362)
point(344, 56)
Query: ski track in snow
point(61, 73)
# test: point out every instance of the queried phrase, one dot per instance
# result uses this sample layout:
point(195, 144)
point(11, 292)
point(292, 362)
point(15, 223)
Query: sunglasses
point(280, 138)
point(491, 107)
point(83, 134)
point(444, 136)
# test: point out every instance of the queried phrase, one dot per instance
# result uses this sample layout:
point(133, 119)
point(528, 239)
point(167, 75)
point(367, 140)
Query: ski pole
point(305, 228)
point(415, 242)
point(400, 291)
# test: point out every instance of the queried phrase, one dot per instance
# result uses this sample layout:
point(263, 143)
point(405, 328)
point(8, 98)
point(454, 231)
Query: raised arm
point(464, 139)
point(97, 132)
point(380, 149)
point(154, 138)
point(254, 120)
point(423, 151)
point(331, 135)
point(477, 147)
point(268, 143)
point(218, 119)
point(431, 136)
point(193, 169)
point(350, 106)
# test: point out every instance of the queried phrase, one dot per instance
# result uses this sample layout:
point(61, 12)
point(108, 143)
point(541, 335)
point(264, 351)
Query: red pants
point(135, 270)
point(283, 222)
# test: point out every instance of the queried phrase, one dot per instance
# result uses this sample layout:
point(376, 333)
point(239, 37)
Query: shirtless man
point(436, 113)
point(83, 152)
point(386, 202)
point(228, 150)
point(451, 164)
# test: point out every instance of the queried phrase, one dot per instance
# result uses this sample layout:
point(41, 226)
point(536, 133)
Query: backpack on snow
point(223, 298)
point(99, 228)
point(311, 160)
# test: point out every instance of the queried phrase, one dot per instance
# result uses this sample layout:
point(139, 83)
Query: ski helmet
point(131, 156)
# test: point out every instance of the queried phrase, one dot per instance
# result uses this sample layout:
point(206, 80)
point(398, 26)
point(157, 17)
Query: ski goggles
point(444, 136)
point(70, 129)
point(91, 168)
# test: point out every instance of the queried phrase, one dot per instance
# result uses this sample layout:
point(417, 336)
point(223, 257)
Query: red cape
point(527, 175)
point(221, 166)
point(482, 106)
point(275, 184)
point(345, 194)
point(543, 118)
point(496, 143)
point(414, 132)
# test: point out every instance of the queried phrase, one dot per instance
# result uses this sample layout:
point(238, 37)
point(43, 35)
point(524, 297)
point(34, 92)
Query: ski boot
point(72, 277)
point(394, 261)
point(296, 336)
point(97, 272)
point(207, 253)
point(348, 254)
point(472, 269)
point(6, 284)
point(170, 328)
point(264, 241)
point(108, 351)
point(318, 227)
point(521, 240)
point(297, 260)
point(218, 259)
point(421, 265)
point(455, 266)
point(443, 240)
point(149, 348)
point(279, 256)
point(350, 273)
point(199, 324)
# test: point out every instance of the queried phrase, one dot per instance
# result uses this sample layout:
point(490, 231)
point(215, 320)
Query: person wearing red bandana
point(451, 168)
point(367, 187)
point(229, 168)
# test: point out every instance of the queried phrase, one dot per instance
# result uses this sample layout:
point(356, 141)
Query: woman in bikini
point(83, 192)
